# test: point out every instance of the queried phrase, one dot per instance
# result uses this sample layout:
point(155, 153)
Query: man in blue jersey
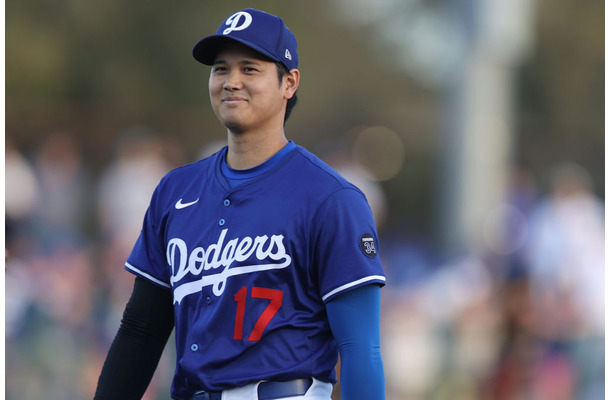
point(262, 257)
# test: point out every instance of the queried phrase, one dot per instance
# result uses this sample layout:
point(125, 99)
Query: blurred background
point(475, 128)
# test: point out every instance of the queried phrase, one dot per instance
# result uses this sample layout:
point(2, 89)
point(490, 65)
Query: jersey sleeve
point(345, 244)
point(147, 258)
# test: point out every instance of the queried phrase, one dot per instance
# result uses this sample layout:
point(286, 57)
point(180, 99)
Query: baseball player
point(263, 258)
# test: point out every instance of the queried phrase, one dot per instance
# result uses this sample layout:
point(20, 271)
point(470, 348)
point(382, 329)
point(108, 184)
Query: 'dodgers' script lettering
point(220, 256)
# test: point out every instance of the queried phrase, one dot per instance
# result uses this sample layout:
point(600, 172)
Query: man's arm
point(147, 322)
point(354, 320)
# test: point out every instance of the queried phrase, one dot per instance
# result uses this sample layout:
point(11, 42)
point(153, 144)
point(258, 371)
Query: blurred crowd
point(522, 320)
point(68, 234)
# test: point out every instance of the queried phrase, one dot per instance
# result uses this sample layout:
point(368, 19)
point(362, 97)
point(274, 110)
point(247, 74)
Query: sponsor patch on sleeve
point(368, 246)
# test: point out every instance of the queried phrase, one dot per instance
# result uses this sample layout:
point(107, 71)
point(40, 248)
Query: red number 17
point(240, 297)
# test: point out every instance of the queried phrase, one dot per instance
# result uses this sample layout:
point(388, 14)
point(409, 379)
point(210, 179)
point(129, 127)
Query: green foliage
point(99, 67)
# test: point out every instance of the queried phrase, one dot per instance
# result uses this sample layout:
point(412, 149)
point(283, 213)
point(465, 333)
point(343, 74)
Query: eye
point(218, 69)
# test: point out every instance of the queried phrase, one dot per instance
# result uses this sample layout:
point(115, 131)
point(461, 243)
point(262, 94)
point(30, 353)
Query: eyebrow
point(242, 62)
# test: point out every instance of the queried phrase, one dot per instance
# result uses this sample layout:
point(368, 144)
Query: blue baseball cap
point(256, 29)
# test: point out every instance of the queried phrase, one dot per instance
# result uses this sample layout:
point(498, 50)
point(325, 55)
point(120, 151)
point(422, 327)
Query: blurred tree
point(96, 68)
point(561, 90)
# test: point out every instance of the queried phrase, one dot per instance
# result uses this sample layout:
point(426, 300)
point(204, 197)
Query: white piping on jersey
point(148, 276)
point(352, 284)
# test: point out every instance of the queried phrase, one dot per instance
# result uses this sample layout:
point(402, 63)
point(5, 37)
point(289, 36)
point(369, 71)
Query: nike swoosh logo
point(180, 204)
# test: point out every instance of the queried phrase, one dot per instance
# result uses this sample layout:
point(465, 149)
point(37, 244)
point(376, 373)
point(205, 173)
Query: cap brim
point(206, 49)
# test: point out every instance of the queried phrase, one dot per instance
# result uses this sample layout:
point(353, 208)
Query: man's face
point(245, 91)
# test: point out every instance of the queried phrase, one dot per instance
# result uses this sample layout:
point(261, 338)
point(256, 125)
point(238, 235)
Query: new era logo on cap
point(256, 29)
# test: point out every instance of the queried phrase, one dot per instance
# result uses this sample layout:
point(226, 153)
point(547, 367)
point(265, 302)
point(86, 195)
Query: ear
point(292, 82)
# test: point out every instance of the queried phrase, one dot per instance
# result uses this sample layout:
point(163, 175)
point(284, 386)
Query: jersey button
point(221, 222)
point(208, 300)
point(227, 202)
point(194, 347)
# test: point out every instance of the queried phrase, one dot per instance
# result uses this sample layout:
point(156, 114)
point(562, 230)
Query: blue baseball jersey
point(251, 268)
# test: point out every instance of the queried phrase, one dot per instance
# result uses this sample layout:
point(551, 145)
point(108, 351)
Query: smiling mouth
point(233, 100)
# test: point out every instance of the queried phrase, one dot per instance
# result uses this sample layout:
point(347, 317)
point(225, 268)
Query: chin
point(229, 120)
point(234, 126)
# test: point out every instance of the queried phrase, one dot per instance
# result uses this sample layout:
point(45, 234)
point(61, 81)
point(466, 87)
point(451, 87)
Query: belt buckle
point(202, 395)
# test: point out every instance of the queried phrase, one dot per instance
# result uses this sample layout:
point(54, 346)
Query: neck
point(249, 150)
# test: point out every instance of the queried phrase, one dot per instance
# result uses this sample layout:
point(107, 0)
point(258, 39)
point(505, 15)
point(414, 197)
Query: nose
point(232, 82)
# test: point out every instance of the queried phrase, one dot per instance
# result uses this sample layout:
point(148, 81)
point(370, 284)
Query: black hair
point(281, 71)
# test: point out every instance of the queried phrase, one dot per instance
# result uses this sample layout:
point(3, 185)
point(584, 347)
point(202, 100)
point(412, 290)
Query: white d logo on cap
point(234, 22)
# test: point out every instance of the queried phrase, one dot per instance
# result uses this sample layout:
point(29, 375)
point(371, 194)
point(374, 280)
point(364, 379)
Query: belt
point(267, 390)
